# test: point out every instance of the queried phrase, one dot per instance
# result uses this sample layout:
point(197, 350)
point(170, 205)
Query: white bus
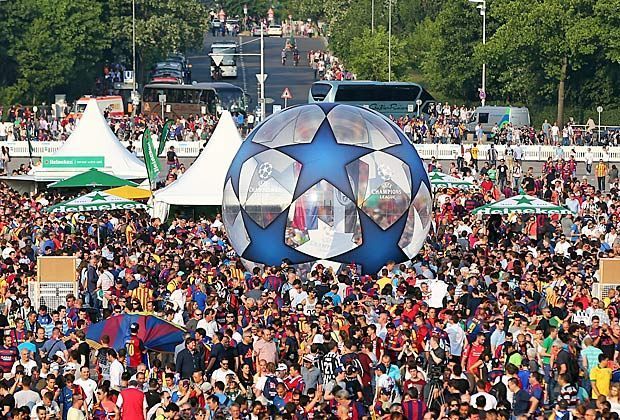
point(224, 51)
point(388, 98)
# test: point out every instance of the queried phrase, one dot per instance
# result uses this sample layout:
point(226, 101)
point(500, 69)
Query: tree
point(541, 43)
point(445, 47)
point(608, 23)
point(371, 60)
point(161, 27)
point(50, 45)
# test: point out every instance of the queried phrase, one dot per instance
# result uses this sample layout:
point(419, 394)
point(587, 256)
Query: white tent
point(203, 182)
point(94, 140)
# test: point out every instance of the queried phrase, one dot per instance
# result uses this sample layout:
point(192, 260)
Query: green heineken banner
point(164, 137)
point(150, 158)
point(73, 162)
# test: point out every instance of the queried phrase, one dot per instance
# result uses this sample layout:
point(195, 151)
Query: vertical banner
point(150, 158)
point(164, 137)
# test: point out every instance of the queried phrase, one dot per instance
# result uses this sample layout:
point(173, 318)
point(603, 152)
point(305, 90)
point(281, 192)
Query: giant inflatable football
point(327, 181)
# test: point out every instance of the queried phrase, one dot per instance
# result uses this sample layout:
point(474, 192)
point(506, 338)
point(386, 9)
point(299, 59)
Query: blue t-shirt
point(335, 298)
point(201, 299)
point(65, 400)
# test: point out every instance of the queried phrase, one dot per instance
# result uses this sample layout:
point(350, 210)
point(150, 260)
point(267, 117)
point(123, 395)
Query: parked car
point(231, 23)
point(274, 30)
point(256, 30)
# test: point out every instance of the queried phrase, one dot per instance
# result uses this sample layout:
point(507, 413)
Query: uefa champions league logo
point(264, 170)
point(384, 172)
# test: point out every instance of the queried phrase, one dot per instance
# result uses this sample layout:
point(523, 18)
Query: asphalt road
point(297, 79)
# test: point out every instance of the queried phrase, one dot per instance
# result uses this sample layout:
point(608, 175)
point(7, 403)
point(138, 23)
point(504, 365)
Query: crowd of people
point(326, 66)
point(448, 124)
point(496, 318)
point(22, 124)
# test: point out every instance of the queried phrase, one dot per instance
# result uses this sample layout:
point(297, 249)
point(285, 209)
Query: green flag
point(150, 158)
point(164, 137)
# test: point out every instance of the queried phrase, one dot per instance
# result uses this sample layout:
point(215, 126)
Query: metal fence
point(531, 153)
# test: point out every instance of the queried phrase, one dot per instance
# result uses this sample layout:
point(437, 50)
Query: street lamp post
point(262, 73)
point(599, 109)
point(372, 16)
point(482, 5)
point(133, 26)
point(390, 41)
point(260, 77)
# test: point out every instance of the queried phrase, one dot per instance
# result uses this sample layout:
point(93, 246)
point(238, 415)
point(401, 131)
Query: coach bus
point(388, 98)
point(228, 64)
point(198, 98)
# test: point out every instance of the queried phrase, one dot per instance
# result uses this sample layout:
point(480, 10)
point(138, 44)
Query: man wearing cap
point(309, 373)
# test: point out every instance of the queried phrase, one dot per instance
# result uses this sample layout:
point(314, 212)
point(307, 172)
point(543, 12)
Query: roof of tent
point(91, 178)
point(92, 138)
point(212, 164)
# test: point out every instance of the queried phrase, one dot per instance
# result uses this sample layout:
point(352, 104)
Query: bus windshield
point(231, 99)
point(228, 60)
point(179, 100)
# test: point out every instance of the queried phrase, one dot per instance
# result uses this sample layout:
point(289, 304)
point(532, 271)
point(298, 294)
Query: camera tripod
point(435, 387)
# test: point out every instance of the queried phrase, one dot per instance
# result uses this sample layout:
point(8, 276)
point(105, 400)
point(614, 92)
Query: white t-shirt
point(439, 290)
point(89, 386)
point(220, 375)
point(75, 414)
point(210, 327)
point(297, 297)
point(116, 371)
point(22, 398)
point(28, 366)
point(491, 401)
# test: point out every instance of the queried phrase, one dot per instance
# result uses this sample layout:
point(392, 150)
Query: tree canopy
point(58, 46)
point(545, 53)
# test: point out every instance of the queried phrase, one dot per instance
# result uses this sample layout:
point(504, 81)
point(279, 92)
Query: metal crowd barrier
point(530, 153)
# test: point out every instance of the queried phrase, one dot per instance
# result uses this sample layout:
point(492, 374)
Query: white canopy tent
point(203, 182)
point(92, 138)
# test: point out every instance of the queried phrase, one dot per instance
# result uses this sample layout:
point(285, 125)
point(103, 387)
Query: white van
point(112, 104)
point(488, 116)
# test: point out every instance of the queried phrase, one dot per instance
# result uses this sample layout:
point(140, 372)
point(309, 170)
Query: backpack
point(270, 388)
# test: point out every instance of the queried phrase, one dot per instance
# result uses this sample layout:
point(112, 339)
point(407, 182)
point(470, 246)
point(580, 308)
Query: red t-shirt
point(473, 352)
point(134, 346)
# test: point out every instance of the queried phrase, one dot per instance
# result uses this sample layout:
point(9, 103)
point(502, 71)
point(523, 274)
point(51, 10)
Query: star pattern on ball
point(407, 153)
point(323, 157)
point(326, 159)
point(248, 150)
point(368, 256)
point(267, 248)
